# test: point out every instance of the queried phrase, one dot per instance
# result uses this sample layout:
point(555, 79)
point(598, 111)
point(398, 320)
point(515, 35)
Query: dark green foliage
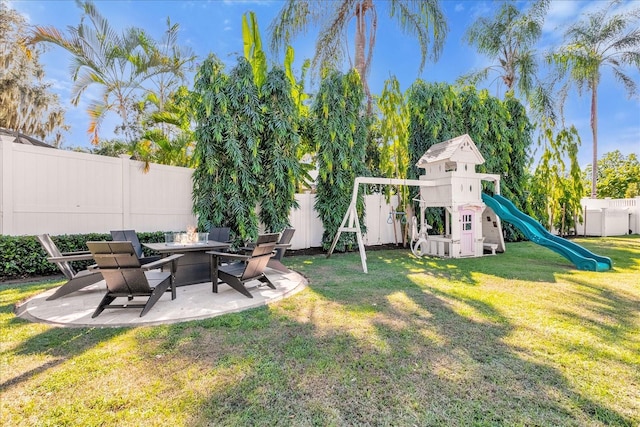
point(618, 175)
point(500, 129)
point(340, 135)
point(23, 256)
point(228, 126)
point(278, 151)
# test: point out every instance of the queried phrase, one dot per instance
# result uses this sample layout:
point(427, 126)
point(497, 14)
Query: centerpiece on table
point(190, 237)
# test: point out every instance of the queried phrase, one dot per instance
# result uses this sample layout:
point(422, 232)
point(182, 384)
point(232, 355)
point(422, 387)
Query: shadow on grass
point(623, 251)
point(61, 344)
point(357, 349)
point(607, 314)
point(358, 354)
point(525, 261)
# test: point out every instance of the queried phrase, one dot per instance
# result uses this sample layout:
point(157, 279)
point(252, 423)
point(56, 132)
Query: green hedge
point(23, 256)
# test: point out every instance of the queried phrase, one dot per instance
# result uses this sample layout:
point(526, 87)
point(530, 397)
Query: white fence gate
point(53, 191)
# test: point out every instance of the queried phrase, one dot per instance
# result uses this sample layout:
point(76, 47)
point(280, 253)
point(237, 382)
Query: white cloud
point(560, 14)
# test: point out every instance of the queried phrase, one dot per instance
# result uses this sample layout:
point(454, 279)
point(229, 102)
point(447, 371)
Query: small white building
point(451, 166)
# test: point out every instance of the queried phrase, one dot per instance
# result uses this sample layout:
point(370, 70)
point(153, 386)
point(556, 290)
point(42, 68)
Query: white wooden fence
point(53, 191)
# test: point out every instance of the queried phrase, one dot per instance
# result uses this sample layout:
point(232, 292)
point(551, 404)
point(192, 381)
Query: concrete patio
point(192, 302)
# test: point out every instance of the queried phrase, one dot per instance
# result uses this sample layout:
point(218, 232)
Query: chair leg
point(158, 291)
point(76, 284)
point(106, 300)
point(265, 279)
point(238, 286)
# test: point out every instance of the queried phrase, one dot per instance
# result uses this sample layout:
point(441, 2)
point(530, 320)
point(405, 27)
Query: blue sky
point(215, 26)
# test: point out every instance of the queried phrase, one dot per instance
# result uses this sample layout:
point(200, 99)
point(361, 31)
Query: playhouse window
point(450, 166)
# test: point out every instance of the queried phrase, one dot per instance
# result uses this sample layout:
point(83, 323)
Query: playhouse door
point(466, 233)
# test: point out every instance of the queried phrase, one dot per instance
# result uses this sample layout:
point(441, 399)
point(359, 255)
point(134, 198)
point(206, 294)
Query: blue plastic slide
point(581, 257)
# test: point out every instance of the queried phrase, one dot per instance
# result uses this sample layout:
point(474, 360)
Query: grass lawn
point(520, 338)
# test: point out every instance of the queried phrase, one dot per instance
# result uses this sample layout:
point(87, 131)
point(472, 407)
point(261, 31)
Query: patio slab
point(192, 302)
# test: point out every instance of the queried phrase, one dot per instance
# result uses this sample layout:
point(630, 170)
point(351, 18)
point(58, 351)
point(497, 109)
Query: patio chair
point(76, 280)
point(245, 268)
point(281, 247)
point(220, 234)
point(127, 278)
point(131, 236)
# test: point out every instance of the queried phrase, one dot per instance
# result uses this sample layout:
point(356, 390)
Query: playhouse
point(450, 182)
point(470, 226)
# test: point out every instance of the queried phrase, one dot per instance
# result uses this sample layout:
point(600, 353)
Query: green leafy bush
point(23, 256)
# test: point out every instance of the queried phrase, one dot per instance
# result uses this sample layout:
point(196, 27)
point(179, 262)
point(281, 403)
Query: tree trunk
point(360, 48)
point(594, 130)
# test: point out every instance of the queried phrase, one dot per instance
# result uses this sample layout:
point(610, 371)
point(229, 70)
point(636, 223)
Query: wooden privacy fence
point(45, 190)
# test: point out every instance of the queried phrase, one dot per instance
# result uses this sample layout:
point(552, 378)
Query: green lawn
point(520, 338)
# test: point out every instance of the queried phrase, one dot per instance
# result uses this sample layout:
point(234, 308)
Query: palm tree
point(119, 62)
point(598, 41)
point(423, 19)
point(508, 39)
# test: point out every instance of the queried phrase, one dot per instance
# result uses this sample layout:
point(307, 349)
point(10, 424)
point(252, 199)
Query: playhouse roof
point(460, 148)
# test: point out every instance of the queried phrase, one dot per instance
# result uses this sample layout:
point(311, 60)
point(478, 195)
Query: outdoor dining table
point(194, 266)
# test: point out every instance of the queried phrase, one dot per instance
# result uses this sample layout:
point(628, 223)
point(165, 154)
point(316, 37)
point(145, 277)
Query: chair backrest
point(285, 239)
point(220, 234)
point(120, 267)
point(262, 252)
point(265, 244)
point(286, 236)
point(128, 236)
point(52, 250)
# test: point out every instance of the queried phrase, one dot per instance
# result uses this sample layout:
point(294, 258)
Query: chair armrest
point(282, 245)
point(76, 253)
point(79, 257)
point(162, 261)
point(229, 255)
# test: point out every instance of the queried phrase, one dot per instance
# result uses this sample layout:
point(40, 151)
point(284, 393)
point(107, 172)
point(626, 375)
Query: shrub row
point(23, 256)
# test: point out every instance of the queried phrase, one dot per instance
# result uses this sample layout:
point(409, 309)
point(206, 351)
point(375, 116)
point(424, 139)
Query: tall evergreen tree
point(500, 129)
point(340, 134)
point(228, 127)
point(508, 39)
point(278, 151)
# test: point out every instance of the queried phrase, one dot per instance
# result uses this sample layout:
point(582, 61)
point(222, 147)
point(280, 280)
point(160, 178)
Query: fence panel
point(160, 200)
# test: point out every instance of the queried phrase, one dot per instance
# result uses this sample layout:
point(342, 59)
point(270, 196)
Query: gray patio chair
point(243, 268)
point(220, 234)
point(281, 247)
point(131, 236)
point(127, 278)
point(76, 279)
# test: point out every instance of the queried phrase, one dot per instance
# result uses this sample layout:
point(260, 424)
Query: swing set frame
point(351, 223)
